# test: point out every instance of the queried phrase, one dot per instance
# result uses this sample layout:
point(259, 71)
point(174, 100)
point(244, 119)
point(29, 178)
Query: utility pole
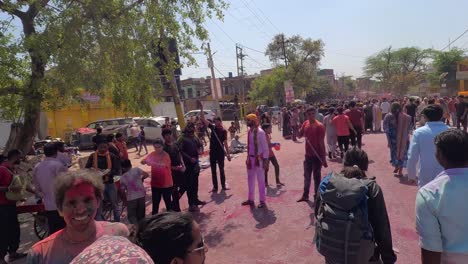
point(240, 72)
point(283, 47)
point(213, 78)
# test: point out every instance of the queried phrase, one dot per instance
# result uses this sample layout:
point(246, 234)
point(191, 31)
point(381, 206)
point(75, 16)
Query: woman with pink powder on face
point(77, 195)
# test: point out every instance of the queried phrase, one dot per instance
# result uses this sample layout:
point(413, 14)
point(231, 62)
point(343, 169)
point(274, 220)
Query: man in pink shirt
point(314, 133)
point(258, 153)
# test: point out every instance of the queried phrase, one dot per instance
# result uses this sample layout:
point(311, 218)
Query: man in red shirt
point(9, 225)
point(356, 117)
point(314, 133)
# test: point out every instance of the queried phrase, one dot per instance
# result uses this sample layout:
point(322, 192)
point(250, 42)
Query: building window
point(198, 93)
point(190, 93)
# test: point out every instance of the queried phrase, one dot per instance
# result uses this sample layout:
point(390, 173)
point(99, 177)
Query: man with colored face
point(9, 225)
point(78, 195)
point(103, 160)
point(258, 153)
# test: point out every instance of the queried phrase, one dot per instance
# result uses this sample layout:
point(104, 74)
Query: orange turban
point(251, 117)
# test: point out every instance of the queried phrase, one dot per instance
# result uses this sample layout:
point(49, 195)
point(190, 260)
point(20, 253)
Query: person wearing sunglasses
point(171, 238)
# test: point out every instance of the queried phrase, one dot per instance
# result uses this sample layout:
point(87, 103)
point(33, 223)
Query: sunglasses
point(200, 247)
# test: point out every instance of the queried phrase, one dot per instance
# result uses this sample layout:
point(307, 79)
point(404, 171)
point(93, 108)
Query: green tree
point(107, 47)
point(397, 70)
point(303, 57)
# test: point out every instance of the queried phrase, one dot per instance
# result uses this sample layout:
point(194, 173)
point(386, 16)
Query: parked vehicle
point(112, 126)
point(209, 115)
point(152, 127)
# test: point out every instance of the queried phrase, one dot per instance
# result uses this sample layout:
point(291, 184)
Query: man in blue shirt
point(422, 147)
point(441, 210)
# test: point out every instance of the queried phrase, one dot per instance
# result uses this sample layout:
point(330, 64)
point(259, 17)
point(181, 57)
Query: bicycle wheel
point(41, 227)
point(107, 212)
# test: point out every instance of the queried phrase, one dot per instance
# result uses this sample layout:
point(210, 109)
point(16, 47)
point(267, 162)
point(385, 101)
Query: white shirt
point(44, 175)
point(385, 106)
point(132, 181)
point(134, 131)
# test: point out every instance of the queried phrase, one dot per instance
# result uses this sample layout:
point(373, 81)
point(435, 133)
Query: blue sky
point(350, 29)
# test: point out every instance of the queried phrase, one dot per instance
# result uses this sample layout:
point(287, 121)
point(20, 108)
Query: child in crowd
point(132, 182)
point(161, 176)
point(272, 158)
point(232, 130)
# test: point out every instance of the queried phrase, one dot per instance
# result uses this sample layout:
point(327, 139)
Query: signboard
point(462, 75)
point(289, 91)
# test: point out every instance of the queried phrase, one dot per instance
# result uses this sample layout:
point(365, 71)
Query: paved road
point(283, 232)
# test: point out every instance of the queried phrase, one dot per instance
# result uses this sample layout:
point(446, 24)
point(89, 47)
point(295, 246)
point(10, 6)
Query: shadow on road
point(216, 236)
point(274, 192)
point(264, 216)
point(219, 198)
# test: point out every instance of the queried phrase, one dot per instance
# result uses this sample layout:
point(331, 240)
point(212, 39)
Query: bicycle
point(107, 211)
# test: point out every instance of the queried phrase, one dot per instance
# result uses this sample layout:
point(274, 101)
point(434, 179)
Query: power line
point(253, 50)
point(252, 59)
point(266, 17)
point(451, 42)
point(224, 32)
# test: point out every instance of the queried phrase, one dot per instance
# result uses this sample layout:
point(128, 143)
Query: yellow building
point(462, 75)
point(64, 121)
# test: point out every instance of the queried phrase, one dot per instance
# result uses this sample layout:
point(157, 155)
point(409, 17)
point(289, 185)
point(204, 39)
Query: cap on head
point(251, 117)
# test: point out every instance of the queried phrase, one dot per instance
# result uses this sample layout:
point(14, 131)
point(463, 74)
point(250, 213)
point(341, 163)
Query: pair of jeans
point(295, 131)
point(179, 188)
point(9, 230)
point(54, 221)
point(156, 197)
point(273, 161)
point(312, 165)
point(217, 157)
point(356, 137)
point(136, 210)
point(343, 143)
point(191, 175)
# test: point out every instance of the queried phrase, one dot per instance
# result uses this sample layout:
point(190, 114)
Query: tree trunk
point(13, 139)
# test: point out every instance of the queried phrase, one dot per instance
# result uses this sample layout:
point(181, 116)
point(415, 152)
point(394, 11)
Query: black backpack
point(343, 234)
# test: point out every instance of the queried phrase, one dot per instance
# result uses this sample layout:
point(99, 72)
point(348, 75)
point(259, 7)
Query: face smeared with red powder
point(79, 206)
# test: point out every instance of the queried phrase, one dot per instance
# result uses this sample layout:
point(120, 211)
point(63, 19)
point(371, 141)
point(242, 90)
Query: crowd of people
point(74, 199)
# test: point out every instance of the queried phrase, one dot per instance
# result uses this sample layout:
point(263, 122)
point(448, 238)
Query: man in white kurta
point(257, 159)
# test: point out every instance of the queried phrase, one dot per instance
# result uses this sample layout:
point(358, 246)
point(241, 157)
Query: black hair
point(50, 149)
point(310, 109)
point(352, 104)
point(13, 154)
point(358, 157)
point(158, 141)
point(453, 145)
point(431, 101)
point(60, 145)
point(126, 164)
point(99, 130)
point(110, 138)
point(266, 126)
point(353, 172)
point(433, 112)
point(166, 131)
point(217, 119)
point(331, 110)
point(165, 236)
point(118, 135)
point(411, 99)
point(101, 139)
point(340, 110)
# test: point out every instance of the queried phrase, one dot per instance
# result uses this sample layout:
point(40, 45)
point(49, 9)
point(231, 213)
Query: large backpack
point(343, 234)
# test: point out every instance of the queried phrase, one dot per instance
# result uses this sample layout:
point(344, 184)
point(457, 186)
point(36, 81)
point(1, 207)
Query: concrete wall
point(165, 109)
